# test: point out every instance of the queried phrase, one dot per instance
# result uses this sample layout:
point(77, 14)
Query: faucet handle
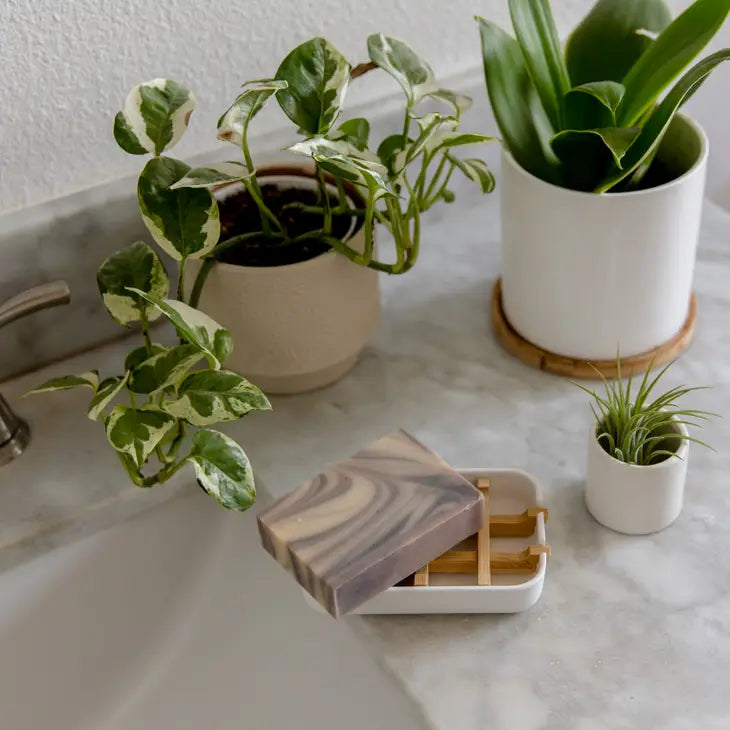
point(31, 300)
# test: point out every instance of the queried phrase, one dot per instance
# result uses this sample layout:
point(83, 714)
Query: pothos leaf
point(458, 102)
point(212, 175)
point(164, 369)
point(184, 223)
point(222, 469)
point(398, 59)
point(214, 341)
point(476, 170)
point(212, 396)
point(155, 117)
point(109, 388)
point(234, 122)
point(89, 379)
point(317, 76)
point(136, 266)
point(140, 354)
point(355, 132)
point(137, 431)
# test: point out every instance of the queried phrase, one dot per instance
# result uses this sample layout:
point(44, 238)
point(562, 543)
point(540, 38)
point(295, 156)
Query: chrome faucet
point(14, 432)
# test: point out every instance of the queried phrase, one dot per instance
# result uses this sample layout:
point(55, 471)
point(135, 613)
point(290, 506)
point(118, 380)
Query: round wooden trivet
point(569, 367)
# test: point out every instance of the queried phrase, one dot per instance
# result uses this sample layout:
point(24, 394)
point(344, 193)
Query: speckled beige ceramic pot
point(300, 326)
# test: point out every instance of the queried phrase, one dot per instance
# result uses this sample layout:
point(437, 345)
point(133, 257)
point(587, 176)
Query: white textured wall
point(65, 66)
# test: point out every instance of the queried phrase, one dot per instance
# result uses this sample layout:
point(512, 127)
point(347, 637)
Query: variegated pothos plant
point(164, 391)
point(403, 177)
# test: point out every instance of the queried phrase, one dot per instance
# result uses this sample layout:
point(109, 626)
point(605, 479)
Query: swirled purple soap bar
point(370, 521)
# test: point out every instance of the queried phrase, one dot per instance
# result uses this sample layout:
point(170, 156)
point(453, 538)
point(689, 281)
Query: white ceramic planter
point(583, 274)
point(635, 500)
point(300, 326)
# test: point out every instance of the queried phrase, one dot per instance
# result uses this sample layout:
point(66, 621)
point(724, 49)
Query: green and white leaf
point(222, 469)
point(317, 76)
point(185, 223)
point(154, 118)
point(197, 328)
point(319, 147)
point(459, 103)
point(137, 431)
point(108, 390)
point(140, 354)
point(164, 369)
point(391, 154)
point(446, 139)
point(234, 122)
point(89, 379)
point(398, 59)
point(138, 267)
point(213, 396)
point(476, 170)
point(212, 175)
point(429, 125)
point(355, 132)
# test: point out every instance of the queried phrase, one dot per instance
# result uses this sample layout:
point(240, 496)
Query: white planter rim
point(699, 162)
point(681, 452)
point(301, 170)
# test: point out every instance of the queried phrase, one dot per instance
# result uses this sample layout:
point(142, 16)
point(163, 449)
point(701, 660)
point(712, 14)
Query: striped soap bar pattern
point(370, 521)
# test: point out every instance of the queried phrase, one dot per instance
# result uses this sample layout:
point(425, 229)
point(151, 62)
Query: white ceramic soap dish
point(499, 570)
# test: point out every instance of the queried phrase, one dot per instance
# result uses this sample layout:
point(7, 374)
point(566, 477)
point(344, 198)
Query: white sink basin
point(179, 620)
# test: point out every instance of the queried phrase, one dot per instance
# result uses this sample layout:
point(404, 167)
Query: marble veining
point(369, 521)
point(630, 632)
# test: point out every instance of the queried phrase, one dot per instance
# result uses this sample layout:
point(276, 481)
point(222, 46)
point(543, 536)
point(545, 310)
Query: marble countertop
point(631, 632)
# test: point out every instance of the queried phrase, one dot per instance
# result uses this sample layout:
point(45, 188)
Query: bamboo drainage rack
point(474, 555)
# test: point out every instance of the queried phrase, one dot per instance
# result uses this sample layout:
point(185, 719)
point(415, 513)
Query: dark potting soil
point(239, 214)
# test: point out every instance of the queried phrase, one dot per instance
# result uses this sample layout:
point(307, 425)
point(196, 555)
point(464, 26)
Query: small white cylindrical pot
point(299, 326)
point(635, 500)
point(584, 274)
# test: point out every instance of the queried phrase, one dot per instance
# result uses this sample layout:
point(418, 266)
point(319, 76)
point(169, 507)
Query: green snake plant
point(158, 412)
point(591, 116)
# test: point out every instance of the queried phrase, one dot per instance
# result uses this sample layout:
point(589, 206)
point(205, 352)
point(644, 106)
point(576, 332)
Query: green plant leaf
point(617, 140)
point(164, 369)
point(136, 431)
point(609, 40)
point(459, 103)
point(477, 171)
point(355, 132)
point(108, 390)
point(317, 75)
point(398, 59)
point(447, 139)
point(233, 124)
point(154, 118)
point(136, 266)
point(511, 92)
point(391, 154)
point(665, 58)
point(346, 162)
point(89, 379)
point(222, 469)
point(212, 396)
point(211, 176)
point(660, 119)
point(593, 105)
point(538, 38)
point(184, 223)
point(140, 354)
point(196, 327)
point(429, 125)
